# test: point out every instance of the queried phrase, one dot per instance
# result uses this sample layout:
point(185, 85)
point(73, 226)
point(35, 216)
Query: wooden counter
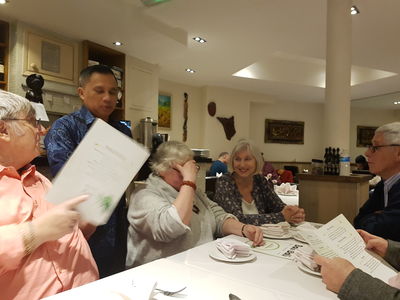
point(325, 196)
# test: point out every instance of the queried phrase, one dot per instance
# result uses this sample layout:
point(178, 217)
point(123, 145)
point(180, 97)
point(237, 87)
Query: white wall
point(195, 124)
point(310, 114)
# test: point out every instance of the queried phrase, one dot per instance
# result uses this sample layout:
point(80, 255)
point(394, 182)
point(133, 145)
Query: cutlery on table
point(170, 293)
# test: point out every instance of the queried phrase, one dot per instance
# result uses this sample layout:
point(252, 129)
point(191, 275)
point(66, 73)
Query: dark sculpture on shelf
point(35, 83)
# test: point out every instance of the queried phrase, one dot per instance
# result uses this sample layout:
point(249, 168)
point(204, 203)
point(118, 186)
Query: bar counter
point(323, 197)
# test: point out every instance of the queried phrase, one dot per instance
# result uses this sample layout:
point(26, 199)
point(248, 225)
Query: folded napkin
point(277, 230)
point(286, 189)
point(232, 248)
point(305, 255)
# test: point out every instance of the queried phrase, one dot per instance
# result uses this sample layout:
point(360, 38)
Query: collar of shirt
point(23, 172)
point(387, 185)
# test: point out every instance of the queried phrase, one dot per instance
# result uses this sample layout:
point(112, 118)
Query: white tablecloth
point(266, 277)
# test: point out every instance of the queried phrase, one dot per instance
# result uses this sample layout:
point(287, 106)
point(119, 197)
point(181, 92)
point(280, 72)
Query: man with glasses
point(99, 92)
point(380, 215)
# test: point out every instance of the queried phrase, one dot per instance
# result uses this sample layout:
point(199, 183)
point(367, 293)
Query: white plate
point(217, 255)
point(307, 270)
point(283, 237)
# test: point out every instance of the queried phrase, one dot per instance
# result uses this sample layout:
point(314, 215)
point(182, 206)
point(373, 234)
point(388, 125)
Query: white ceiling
point(285, 39)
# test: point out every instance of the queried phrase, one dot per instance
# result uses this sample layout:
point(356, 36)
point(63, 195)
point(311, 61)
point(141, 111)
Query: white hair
point(169, 154)
point(14, 107)
point(390, 132)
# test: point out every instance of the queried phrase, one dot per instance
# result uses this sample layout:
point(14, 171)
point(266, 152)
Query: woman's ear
point(4, 131)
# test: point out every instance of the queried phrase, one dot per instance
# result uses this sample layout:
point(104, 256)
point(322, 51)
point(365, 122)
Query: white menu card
point(338, 238)
point(102, 166)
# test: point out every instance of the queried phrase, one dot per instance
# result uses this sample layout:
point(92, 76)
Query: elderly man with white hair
point(42, 250)
point(380, 215)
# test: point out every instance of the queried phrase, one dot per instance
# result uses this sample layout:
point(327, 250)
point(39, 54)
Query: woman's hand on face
point(188, 170)
point(58, 221)
point(374, 243)
point(255, 234)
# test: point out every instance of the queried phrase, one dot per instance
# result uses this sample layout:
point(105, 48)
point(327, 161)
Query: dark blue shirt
point(218, 167)
point(108, 242)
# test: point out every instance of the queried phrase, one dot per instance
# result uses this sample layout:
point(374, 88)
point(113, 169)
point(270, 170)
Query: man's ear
point(4, 131)
point(81, 93)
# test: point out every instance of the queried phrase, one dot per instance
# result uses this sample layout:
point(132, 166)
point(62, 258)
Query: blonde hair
point(169, 154)
point(246, 145)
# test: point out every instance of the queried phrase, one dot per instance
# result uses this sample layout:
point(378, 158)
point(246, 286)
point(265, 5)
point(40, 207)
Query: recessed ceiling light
point(3, 1)
point(199, 39)
point(190, 70)
point(396, 102)
point(354, 10)
point(115, 43)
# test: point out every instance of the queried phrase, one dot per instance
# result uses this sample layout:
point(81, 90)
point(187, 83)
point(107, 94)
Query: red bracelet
point(189, 183)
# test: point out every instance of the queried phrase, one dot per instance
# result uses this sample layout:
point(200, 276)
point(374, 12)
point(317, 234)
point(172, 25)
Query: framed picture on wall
point(284, 132)
point(364, 135)
point(54, 59)
point(164, 110)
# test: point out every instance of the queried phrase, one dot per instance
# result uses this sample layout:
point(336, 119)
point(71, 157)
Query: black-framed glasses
point(373, 148)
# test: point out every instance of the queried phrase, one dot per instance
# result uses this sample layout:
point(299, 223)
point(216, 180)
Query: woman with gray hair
point(246, 193)
point(42, 250)
point(170, 215)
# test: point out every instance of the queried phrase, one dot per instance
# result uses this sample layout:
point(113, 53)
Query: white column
point(338, 74)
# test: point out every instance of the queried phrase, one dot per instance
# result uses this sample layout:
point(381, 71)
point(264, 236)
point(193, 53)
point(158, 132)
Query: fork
point(169, 293)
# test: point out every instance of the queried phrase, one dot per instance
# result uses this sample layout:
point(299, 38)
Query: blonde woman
point(246, 193)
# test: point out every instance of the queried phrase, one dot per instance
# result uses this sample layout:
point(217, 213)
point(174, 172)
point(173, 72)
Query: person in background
point(246, 193)
point(267, 169)
point(170, 215)
point(219, 166)
point(361, 163)
point(340, 276)
point(42, 250)
point(98, 89)
point(380, 214)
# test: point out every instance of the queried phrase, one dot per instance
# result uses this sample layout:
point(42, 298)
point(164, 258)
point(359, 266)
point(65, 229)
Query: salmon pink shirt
point(54, 266)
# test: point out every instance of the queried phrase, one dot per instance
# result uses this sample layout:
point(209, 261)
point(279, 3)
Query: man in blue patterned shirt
point(99, 91)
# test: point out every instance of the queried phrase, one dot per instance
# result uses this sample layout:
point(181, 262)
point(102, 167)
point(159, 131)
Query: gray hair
point(252, 149)
point(222, 154)
point(168, 154)
point(13, 106)
point(390, 132)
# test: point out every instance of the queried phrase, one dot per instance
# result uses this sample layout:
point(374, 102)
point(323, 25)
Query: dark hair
point(360, 159)
point(86, 73)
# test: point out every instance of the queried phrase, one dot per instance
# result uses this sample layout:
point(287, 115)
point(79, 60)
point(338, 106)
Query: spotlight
point(190, 70)
point(199, 39)
point(354, 10)
point(115, 43)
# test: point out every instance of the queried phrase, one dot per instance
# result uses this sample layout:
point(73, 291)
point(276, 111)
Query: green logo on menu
point(105, 202)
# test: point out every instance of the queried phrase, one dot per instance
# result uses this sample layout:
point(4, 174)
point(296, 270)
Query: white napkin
point(305, 255)
point(286, 189)
point(232, 248)
point(218, 174)
point(277, 230)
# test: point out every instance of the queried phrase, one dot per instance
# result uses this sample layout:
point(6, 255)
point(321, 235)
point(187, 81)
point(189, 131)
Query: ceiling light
point(396, 102)
point(199, 39)
point(354, 10)
point(3, 1)
point(115, 43)
point(190, 70)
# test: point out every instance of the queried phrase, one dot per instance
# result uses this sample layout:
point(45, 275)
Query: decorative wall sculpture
point(284, 132)
point(229, 126)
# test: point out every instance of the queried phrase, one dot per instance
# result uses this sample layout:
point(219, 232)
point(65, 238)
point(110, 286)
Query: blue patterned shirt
point(108, 242)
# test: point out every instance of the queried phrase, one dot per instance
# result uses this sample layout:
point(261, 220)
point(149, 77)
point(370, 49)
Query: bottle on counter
point(1, 68)
point(345, 163)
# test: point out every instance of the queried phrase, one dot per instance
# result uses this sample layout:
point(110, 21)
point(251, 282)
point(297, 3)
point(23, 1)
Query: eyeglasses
point(373, 148)
point(33, 122)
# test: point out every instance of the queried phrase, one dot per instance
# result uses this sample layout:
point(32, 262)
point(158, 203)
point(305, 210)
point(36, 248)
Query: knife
point(233, 297)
